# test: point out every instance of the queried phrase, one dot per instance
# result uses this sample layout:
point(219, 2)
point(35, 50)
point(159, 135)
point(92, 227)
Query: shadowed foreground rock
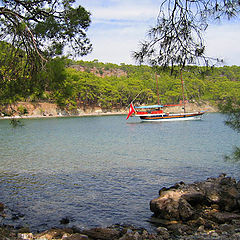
point(216, 199)
point(210, 209)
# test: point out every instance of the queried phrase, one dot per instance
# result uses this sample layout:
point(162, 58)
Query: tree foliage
point(44, 26)
point(231, 107)
point(92, 86)
point(177, 38)
point(32, 33)
point(17, 82)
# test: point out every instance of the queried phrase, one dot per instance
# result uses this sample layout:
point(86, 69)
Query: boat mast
point(157, 88)
point(183, 92)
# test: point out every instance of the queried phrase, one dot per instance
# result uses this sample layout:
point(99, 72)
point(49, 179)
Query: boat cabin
point(151, 109)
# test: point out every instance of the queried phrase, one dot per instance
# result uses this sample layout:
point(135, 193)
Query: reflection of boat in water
point(156, 113)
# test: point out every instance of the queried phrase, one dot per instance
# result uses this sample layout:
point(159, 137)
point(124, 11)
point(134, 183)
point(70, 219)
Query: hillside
point(92, 87)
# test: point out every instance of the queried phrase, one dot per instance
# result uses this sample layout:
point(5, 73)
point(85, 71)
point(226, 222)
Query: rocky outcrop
point(215, 198)
point(116, 232)
point(208, 207)
point(178, 231)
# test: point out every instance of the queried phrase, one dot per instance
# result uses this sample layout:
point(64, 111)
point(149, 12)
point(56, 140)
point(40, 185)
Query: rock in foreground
point(215, 198)
point(209, 207)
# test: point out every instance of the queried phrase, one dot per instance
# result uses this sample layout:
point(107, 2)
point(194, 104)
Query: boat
point(156, 112)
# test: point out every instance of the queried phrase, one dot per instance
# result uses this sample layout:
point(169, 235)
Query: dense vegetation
point(84, 84)
point(93, 87)
point(32, 35)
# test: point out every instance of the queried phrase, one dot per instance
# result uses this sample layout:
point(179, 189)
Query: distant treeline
point(110, 85)
point(75, 84)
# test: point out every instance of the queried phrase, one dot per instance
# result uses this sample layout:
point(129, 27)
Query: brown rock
point(226, 227)
point(77, 236)
point(53, 233)
point(163, 232)
point(196, 222)
point(102, 233)
point(167, 205)
point(127, 236)
point(194, 197)
point(229, 198)
point(185, 209)
point(180, 229)
point(235, 236)
point(24, 230)
point(224, 217)
point(28, 236)
point(201, 228)
point(183, 202)
point(1, 207)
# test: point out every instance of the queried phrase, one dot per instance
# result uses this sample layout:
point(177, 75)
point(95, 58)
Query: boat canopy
point(150, 106)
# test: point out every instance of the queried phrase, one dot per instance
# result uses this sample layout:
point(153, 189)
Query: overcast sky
point(119, 25)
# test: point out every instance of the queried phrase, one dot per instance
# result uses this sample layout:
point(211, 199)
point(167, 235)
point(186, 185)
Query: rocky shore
point(203, 210)
point(46, 109)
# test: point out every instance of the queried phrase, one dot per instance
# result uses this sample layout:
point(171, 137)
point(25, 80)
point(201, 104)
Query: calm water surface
point(98, 171)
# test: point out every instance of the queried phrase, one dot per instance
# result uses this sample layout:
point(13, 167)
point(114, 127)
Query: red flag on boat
point(131, 111)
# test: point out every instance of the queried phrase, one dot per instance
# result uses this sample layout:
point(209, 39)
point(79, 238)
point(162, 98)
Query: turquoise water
point(99, 171)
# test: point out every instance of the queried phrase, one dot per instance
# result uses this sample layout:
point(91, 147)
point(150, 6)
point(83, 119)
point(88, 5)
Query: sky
point(118, 26)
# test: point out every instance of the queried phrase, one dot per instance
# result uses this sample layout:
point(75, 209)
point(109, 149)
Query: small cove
point(99, 171)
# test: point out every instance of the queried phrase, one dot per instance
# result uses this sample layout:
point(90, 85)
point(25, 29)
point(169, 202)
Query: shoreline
point(63, 116)
point(200, 210)
point(70, 116)
point(25, 110)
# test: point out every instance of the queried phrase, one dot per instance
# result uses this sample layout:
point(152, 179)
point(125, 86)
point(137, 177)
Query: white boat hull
point(171, 117)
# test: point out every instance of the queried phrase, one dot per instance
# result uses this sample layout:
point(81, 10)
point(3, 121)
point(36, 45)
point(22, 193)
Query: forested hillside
point(82, 84)
point(110, 85)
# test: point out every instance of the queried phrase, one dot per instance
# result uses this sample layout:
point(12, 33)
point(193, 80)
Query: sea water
point(99, 171)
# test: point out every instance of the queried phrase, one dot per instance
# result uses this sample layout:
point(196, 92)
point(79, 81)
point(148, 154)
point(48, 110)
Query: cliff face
point(101, 72)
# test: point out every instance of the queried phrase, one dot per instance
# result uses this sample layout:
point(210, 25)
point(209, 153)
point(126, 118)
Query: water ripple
point(99, 171)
